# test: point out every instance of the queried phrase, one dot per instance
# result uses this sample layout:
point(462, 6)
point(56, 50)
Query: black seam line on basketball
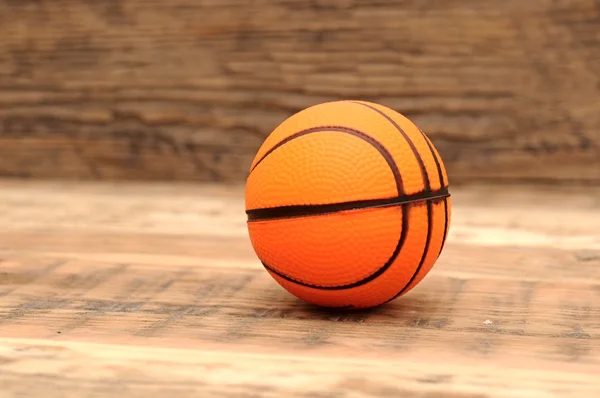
point(425, 251)
point(437, 161)
point(424, 174)
point(388, 264)
point(294, 211)
point(445, 226)
point(442, 183)
point(346, 130)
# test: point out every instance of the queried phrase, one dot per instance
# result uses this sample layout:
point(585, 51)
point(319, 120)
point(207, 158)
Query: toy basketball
point(347, 204)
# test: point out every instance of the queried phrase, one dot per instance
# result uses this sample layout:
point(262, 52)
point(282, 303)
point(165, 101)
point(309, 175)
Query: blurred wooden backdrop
point(188, 89)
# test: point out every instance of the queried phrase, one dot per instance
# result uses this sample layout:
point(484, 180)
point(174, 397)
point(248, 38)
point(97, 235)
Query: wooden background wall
point(188, 89)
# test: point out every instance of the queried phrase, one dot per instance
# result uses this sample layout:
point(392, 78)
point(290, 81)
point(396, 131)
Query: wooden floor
point(154, 291)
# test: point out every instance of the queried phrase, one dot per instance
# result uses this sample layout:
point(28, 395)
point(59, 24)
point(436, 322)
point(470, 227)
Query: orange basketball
point(347, 204)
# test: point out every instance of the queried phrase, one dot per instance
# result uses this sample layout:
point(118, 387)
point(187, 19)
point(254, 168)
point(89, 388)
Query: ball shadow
point(417, 304)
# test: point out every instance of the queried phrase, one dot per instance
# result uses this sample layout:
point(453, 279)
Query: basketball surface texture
point(347, 204)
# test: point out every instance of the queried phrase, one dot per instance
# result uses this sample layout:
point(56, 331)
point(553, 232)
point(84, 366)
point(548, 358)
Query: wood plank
point(147, 290)
point(188, 90)
point(131, 371)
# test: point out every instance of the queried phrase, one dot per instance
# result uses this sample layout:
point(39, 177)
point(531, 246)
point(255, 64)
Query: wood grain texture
point(148, 89)
point(153, 290)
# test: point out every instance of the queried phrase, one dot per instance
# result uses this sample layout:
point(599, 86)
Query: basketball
point(347, 204)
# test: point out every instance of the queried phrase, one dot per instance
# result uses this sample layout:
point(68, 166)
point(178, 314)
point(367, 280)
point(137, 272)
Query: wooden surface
point(153, 291)
point(184, 89)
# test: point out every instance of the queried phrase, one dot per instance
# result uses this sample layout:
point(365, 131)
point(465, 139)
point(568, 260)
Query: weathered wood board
point(181, 89)
point(153, 290)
